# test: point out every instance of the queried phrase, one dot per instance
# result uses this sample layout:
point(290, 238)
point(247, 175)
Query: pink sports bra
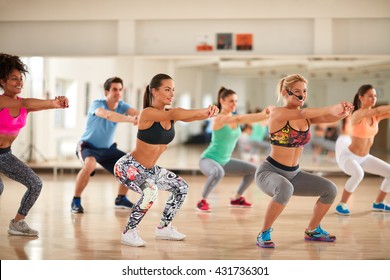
point(11, 125)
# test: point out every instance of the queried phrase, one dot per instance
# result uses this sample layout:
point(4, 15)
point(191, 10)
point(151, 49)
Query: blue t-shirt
point(100, 132)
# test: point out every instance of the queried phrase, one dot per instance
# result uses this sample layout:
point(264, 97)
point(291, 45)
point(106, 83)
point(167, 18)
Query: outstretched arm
point(178, 114)
point(244, 118)
point(334, 114)
point(115, 117)
point(315, 115)
point(203, 114)
point(381, 112)
point(33, 104)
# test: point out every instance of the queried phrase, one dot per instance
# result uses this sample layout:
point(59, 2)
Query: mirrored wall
point(197, 80)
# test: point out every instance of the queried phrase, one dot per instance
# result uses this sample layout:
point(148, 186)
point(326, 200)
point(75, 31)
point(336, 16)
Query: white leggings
point(355, 166)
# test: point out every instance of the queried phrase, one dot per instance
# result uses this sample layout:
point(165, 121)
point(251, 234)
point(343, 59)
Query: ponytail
point(154, 83)
point(356, 102)
point(222, 94)
point(361, 92)
point(147, 97)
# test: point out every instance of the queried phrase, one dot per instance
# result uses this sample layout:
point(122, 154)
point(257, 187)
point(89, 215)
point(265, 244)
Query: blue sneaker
point(319, 235)
point(264, 239)
point(122, 202)
point(343, 209)
point(76, 206)
point(381, 207)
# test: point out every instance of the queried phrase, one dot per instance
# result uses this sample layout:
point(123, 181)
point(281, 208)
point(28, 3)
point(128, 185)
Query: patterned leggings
point(16, 170)
point(147, 182)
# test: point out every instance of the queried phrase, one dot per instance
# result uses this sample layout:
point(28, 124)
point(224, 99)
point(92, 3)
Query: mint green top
point(223, 142)
point(258, 132)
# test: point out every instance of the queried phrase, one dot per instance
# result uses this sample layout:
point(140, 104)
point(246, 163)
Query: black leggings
point(16, 170)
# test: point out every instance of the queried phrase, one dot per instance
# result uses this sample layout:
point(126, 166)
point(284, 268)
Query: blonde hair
point(287, 82)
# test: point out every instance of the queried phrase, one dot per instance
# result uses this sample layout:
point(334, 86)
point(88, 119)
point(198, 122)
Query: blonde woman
point(279, 175)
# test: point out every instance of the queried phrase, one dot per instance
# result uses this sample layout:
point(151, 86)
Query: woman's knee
point(35, 183)
point(329, 193)
point(357, 174)
point(216, 173)
point(280, 190)
point(149, 194)
point(183, 189)
point(283, 194)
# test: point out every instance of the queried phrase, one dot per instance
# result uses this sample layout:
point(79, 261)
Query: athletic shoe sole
point(343, 214)
point(132, 244)
point(18, 233)
point(319, 239)
point(122, 207)
point(203, 211)
point(169, 238)
point(240, 206)
point(265, 246)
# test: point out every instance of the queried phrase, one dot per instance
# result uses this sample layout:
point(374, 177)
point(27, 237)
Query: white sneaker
point(132, 238)
point(21, 228)
point(169, 233)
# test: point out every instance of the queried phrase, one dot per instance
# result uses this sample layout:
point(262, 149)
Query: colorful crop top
point(156, 134)
point(290, 137)
point(364, 129)
point(10, 125)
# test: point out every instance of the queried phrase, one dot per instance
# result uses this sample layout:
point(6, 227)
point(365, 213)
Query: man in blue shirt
point(97, 143)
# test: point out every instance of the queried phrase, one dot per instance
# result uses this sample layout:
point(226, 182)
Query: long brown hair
point(361, 91)
point(154, 83)
point(222, 94)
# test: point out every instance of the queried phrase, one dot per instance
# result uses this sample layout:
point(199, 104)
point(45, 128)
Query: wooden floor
point(225, 234)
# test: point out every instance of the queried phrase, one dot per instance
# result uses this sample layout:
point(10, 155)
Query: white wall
point(280, 27)
point(89, 41)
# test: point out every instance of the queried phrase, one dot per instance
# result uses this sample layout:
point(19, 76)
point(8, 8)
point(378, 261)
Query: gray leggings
point(281, 184)
point(215, 172)
point(16, 170)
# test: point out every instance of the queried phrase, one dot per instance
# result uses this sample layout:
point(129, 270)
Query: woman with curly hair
point(13, 116)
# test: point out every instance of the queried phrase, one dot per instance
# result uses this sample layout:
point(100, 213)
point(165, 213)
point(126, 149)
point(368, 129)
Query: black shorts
point(106, 157)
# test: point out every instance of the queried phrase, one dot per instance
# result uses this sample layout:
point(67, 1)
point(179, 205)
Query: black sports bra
point(156, 134)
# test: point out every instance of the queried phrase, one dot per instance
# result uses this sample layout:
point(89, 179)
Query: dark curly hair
point(8, 63)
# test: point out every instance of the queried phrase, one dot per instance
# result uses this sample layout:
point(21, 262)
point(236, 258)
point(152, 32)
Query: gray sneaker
point(21, 228)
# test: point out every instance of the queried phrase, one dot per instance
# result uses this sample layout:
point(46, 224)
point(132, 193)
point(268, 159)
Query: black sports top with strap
point(290, 137)
point(156, 134)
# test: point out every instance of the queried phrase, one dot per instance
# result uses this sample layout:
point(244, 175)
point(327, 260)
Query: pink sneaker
point(203, 206)
point(240, 202)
